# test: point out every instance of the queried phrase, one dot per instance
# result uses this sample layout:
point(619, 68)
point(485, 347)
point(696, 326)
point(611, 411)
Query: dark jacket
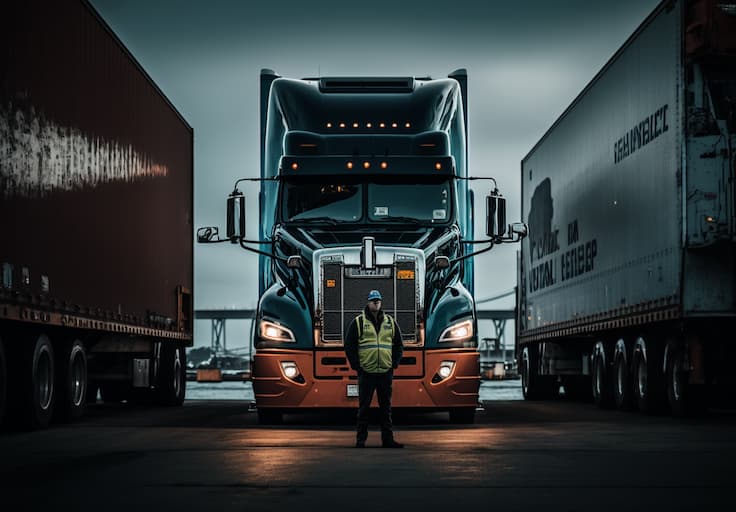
point(351, 340)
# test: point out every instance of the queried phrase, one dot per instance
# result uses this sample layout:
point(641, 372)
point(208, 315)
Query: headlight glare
point(461, 331)
point(275, 332)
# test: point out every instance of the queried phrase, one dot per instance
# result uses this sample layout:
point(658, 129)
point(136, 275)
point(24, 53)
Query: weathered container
point(96, 195)
point(628, 272)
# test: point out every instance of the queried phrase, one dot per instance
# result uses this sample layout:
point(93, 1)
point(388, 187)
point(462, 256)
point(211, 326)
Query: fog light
point(291, 371)
point(444, 371)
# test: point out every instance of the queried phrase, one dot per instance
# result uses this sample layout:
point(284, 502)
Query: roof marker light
point(366, 165)
point(369, 125)
point(342, 125)
point(382, 125)
point(349, 165)
point(294, 166)
point(355, 125)
point(329, 125)
point(384, 165)
point(407, 125)
point(394, 125)
point(438, 166)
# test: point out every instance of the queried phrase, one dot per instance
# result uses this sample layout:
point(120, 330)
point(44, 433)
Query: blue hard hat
point(375, 295)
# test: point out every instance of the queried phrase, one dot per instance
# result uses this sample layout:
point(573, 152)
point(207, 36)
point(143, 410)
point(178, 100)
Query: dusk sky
point(526, 62)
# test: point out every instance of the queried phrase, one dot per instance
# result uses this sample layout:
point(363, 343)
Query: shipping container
point(96, 175)
point(626, 281)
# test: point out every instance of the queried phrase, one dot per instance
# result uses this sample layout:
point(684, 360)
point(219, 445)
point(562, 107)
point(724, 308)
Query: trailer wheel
point(71, 381)
point(171, 378)
point(647, 377)
point(533, 385)
point(683, 398)
point(622, 388)
point(33, 374)
point(3, 382)
point(462, 415)
point(601, 381)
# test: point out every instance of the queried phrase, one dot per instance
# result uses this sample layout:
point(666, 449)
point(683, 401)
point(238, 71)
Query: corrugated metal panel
point(96, 174)
point(601, 192)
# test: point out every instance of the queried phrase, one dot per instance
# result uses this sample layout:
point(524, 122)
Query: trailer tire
point(601, 380)
point(647, 377)
point(3, 382)
point(71, 381)
point(533, 385)
point(33, 381)
point(171, 379)
point(622, 387)
point(683, 398)
point(462, 415)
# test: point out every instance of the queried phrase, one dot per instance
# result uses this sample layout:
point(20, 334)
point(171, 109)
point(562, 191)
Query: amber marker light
point(384, 165)
point(438, 166)
point(294, 166)
point(366, 165)
point(349, 165)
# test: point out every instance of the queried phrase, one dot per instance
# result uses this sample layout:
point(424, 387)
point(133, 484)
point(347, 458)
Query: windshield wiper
point(410, 220)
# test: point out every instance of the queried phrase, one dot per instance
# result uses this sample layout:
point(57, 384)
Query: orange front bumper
point(412, 386)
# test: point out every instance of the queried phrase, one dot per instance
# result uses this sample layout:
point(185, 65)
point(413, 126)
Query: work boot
point(390, 443)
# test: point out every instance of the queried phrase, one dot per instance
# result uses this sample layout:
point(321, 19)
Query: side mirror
point(236, 216)
point(519, 228)
point(495, 216)
point(442, 262)
point(294, 262)
point(207, 234)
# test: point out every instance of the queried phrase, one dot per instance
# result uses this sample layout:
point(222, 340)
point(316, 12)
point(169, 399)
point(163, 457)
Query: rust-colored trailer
point(96, 174)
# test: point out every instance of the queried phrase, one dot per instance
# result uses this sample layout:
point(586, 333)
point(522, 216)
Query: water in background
point(489, 390)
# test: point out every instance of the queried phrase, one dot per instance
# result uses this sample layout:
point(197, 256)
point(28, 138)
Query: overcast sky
point(526, 62)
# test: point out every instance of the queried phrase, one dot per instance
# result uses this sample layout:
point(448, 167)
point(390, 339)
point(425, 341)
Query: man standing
point(373, 348)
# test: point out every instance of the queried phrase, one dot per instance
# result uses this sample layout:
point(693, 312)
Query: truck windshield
point(319, 201)
point(430, 202)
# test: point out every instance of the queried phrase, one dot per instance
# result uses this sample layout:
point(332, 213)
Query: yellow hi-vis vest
point(375, 349)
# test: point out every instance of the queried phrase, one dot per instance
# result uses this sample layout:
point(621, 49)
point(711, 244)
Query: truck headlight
point(461, 331)
point(444, 371)
point(275, 332)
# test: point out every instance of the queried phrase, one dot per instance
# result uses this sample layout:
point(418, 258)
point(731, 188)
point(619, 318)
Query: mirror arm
point(258, 251)
point(476, 253)
point(489, 241)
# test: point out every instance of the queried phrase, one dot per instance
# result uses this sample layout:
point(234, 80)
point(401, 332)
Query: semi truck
point(364, 186)
point(96, 209)
point(626, 284)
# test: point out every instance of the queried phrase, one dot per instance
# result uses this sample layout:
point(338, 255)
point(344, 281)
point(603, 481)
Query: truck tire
point(533, 385)
point(462, 415)
point(622, 387)
point(171, 378)
point(647, 377)
point(3, 382)
point(602, 379)
point(683, 398)
point(35, 378)
point(71, 381)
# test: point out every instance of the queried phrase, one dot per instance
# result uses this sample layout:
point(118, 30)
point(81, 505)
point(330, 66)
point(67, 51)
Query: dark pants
point(367, 384)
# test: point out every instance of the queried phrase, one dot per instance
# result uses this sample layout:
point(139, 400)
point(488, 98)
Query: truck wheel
point(601, 381)
point(647, 377)
point(270, 416)
point(71, 381)
point(462, 415)
point(533, 385)
point(33, 374)
point(622, 388)
point(3, 382)
point(171, 379)
point(683, 398)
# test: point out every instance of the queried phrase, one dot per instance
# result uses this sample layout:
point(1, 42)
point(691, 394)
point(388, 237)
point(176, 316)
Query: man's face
point(374, 306)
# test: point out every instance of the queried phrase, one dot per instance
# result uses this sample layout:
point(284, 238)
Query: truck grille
point(344, 291)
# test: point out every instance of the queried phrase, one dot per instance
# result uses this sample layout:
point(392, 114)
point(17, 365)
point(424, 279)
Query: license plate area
point(352, 390)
